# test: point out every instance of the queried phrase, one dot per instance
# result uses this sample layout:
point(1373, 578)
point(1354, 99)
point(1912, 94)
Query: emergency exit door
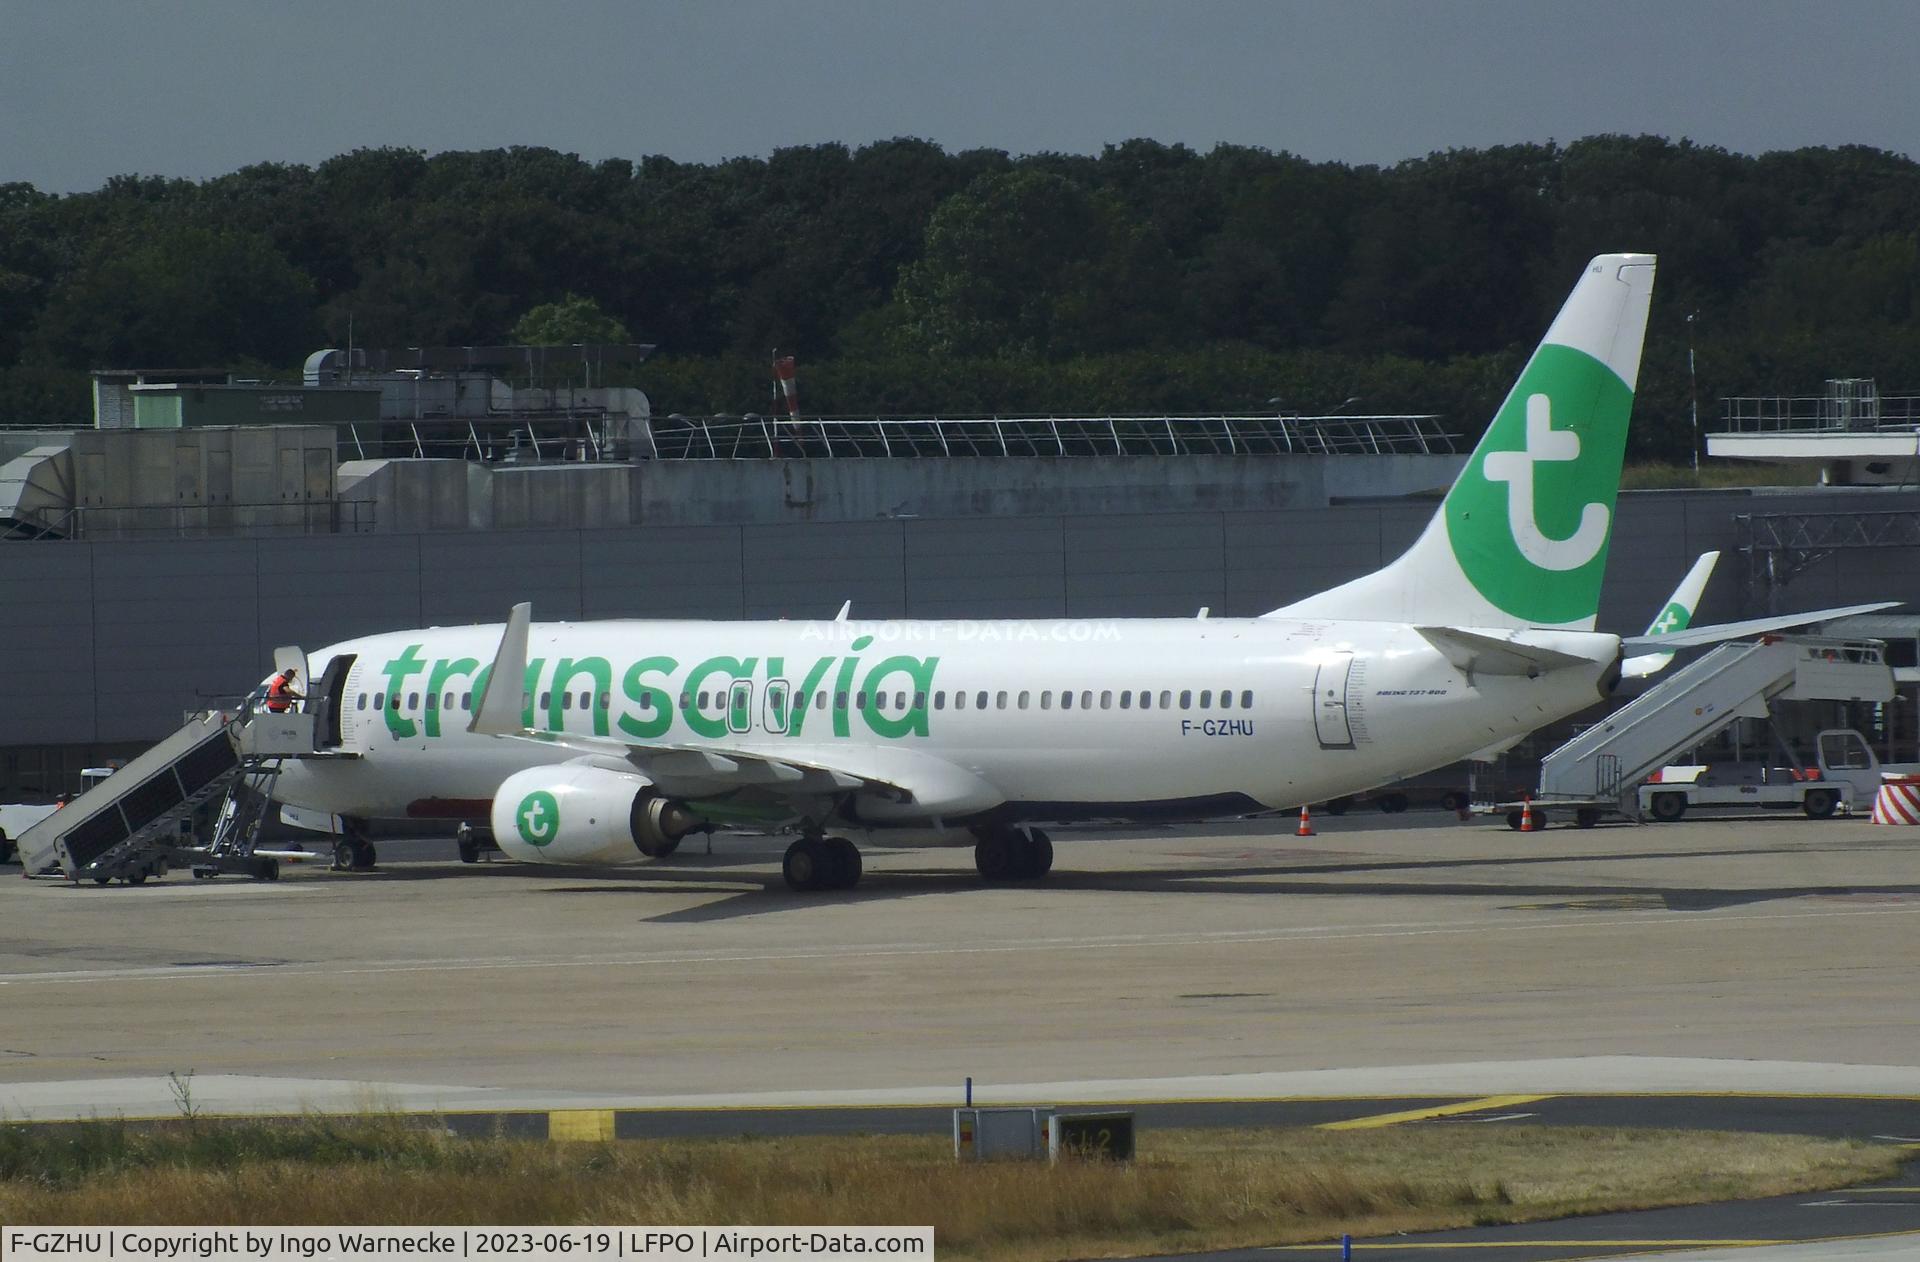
point(1330, 723)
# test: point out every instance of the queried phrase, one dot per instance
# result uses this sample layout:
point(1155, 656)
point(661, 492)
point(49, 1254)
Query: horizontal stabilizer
point(1482, 654)
point(1752, 626)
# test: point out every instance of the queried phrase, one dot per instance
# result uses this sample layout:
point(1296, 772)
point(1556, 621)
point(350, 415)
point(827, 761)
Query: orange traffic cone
point(1526, 814)
point(1306, 823)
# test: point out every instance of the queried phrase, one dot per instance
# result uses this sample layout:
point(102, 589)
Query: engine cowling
point(585, 814)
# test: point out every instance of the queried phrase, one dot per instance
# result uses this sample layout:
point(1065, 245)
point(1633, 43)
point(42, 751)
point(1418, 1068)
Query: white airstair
point(137, 823)
point(1606, 763)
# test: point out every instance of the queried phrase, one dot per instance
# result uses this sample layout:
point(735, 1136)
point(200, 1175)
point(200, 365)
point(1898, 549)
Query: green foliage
point(569, 322)
point(907, 278)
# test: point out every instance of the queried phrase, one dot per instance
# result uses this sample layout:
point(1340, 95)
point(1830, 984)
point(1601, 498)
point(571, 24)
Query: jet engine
point(577, 813)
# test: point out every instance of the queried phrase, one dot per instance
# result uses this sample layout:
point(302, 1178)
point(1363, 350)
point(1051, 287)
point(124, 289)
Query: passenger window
point(566, 701)
point(1106, 699)
point(1066, 698)
point(880, 701)
point(940, 699)
point(360, 703)
point(686, 701)
point(999, 700)
point(1023, 699)
point(960, 699)
point(899, 700)
point(466, 701)
point(1166, 698)
point(980, 700)
point(860, 700)
point(1186, 699)
point(819, 700)
point(1226, 699)
point(379, 699)
point(919, 700)
point(1206, 698)
point(413, 701)
point(1086, 698)
point(433, 699)
point(839, 700)
point(1126, 698)
point(1046, 699)
point(1146, 699)
point(544, 698)
point(646, 701)
point(1246, 698)
point(446, 702)
point(586, 701)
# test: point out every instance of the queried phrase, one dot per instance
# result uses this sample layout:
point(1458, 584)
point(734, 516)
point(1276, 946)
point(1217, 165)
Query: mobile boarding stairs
point(1601, 769)
point(138, 822)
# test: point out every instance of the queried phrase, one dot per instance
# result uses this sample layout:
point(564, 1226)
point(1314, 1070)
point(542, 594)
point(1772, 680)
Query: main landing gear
point(1013, 854)
point(353, 852)
point(822, 863)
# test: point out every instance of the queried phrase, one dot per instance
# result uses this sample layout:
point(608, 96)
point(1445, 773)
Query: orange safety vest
point(277, 699)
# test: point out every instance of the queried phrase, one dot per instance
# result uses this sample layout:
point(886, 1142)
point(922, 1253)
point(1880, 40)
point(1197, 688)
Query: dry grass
point(1190, 1190)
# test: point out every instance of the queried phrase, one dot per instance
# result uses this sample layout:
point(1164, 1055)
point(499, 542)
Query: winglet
point(502, 701)
point(846, 610)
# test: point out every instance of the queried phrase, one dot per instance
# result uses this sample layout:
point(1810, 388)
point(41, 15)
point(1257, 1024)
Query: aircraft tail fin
point(1521, 538)
point(1675, 616)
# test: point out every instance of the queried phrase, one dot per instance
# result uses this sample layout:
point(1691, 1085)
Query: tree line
point(906, 278)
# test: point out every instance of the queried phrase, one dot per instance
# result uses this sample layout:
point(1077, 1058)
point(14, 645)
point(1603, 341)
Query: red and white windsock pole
point(786, 391)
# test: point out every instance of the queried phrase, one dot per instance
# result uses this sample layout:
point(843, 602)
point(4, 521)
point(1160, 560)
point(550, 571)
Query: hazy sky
point(92, 88)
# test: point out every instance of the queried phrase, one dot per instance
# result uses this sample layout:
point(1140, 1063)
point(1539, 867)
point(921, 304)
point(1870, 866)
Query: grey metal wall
point(111, 641)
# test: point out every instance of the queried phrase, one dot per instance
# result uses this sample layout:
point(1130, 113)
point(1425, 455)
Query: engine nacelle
point(585, 814)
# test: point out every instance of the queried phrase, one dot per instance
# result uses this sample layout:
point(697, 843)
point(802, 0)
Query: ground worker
point(280, 693)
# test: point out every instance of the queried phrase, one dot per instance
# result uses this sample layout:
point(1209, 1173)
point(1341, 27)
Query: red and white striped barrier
point(1898, 801)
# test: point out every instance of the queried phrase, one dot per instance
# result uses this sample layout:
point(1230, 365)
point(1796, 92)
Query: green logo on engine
point(1530, 516)
point(538, 818)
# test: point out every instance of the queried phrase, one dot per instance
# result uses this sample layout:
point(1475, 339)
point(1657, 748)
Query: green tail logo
point(1529, 518)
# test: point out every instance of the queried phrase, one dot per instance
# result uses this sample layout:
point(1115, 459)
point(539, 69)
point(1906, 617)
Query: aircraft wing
point(729, 768)
point(1752, 626)
point(1482, 654)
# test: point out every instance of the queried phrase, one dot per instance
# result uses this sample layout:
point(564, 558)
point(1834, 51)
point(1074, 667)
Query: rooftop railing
point(755, 437)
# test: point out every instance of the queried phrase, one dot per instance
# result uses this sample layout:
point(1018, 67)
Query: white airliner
point(612, 740)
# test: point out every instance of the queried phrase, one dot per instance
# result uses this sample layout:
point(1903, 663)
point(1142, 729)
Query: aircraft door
point(327, 699)
point(1330, 721)
point(740, 706)
point(773, 707)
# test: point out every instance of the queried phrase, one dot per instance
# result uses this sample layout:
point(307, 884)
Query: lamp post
point(1693, 397)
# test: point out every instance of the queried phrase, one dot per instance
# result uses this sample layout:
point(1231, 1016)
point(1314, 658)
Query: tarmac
point(1229, 968)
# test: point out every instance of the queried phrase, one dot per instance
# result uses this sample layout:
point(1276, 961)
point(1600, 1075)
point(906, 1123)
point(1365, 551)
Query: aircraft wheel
point(469, 851)
point(1821, 804)
point(1393, 803)
point(1339, 805)
point(1454, 800)
point(1586, 817)
point(1039, 853)
point(807, 865)
point(847, 867)
point(365, 857)
point(1668, 807)
point(1513, 820)
point(995, 857)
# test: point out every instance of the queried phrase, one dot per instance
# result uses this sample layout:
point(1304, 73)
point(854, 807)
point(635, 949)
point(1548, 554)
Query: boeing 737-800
point(600, 742)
